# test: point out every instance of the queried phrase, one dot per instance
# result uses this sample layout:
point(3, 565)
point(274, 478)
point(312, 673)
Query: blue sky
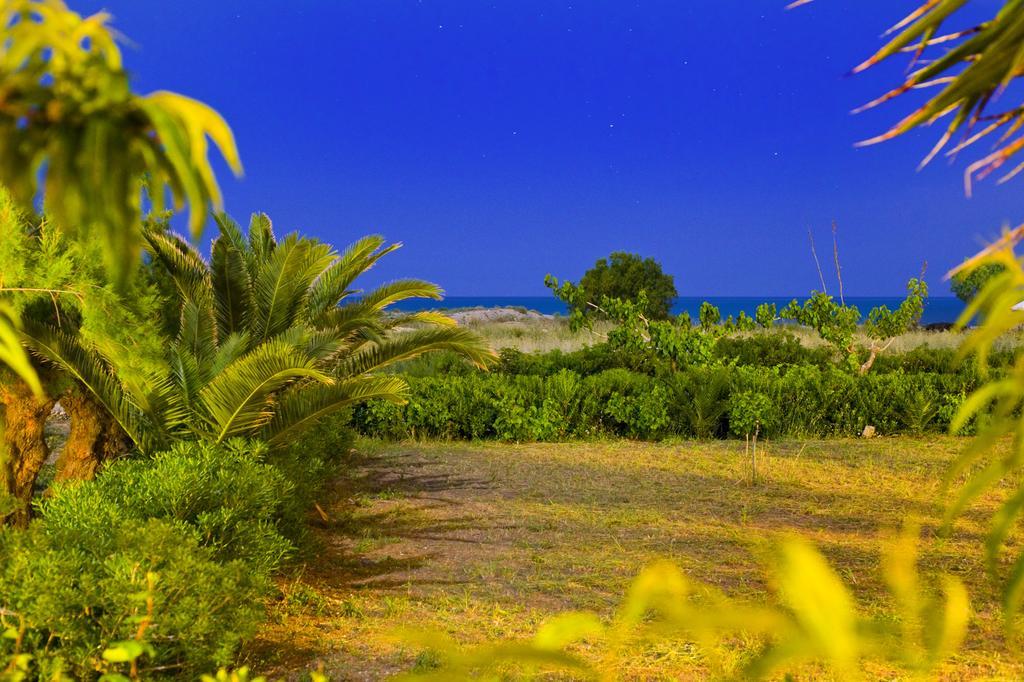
point(501, 141)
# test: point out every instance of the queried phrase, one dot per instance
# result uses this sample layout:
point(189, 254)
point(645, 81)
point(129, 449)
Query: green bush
point(225, 496)
point(70, 591)
point(770, 349)
point(699, 400)
point(752, 413)
point(307, 464)
point(806, 400)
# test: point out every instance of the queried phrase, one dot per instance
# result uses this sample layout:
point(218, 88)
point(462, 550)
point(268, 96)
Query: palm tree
point(968, 67)
point(272, 336)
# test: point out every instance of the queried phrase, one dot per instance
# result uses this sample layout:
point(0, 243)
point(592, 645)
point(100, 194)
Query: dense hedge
point(803, 400)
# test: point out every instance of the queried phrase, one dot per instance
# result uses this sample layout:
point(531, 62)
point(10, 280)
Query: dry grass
point(542, 334)
point(537, 335)
point(487, 541)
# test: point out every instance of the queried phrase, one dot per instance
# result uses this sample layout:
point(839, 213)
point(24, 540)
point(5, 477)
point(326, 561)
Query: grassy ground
point(487, 541)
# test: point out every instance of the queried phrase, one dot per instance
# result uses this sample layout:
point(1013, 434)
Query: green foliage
point(68, 108)
point(815, 621)
point(224, 495)
point(73, 596)
point(264, 346)
point(751, 413)
point(974, 64)
point(744, 322)
point(996, 406)
point(966, 284)
point(709, 315)
point(779, 347)
point(834, 322)
point(158, 564)
point(622, 276)
point(12, 353)
point(883, 323)
point(53, 279)
point(71, 126)
point(765, 315)
point(698, 401)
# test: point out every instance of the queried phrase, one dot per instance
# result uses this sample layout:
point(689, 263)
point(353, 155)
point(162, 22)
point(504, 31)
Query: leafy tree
point(709, 315)
point(967, 283)
point(624, 276)
point(675, 341)
point(744, 322)
point(765, 315)
point(271, 338)
point(884, 325)
point(837, 324)
point(52, 279)
point(74, 134)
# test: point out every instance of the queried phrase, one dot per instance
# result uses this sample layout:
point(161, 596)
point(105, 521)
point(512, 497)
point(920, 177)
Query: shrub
point(70, 591)
point(699, 400)
point(807, 401)
point(751, 413)
point(770, 350)
point(307, 464)
point(225, 496)
point(966, 284)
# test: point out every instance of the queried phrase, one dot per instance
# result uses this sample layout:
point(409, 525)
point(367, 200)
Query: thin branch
point(839, 270)
point(817, 263)
point(52, 292)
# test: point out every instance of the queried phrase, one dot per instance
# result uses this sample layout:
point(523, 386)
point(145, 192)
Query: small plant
point(765, 315)
point(709, 315)
point(748, 413)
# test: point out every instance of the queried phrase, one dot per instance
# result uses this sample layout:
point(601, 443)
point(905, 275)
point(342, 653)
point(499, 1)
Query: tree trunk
point(93, 437)
point(870, 361)
point(24, 442)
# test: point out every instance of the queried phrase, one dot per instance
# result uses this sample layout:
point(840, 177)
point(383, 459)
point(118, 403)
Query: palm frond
point(408, 345)
point(186, 266)
point(976, 65)
point(12, 352)
point(230, 348)
point(431, 317)
point(231, 231)
point(400, 290)
point(280, 288)
point(262, 243)
point(197, 330)
point(231, 286)
point(302, 406)
point(241, 398)
point(334, 285)
point(187, 374)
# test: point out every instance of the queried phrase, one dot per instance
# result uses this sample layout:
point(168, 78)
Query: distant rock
point(484, 315)
point(868, 432)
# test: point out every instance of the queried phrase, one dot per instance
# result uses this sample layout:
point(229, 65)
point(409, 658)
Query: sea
point(936, 310)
